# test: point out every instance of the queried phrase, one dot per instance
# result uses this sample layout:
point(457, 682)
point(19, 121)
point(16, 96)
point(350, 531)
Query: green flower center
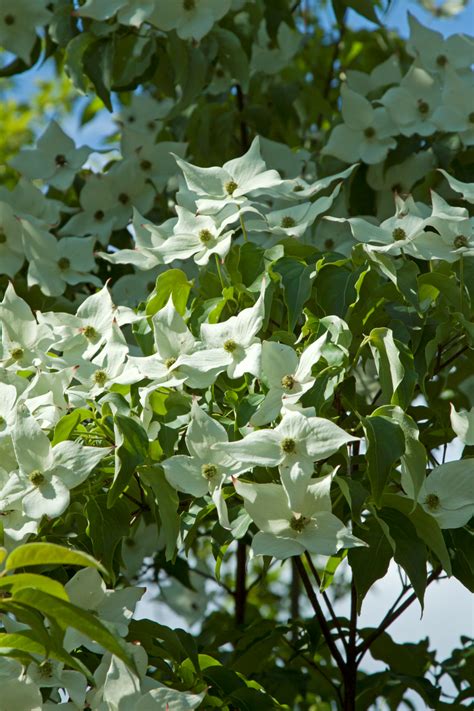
point(124, 198)
point(60, 160)
point(99, 215)
point(46, 669)
point(299, 523)
point(36, 477)
point(298, 188)
point(230, 345)
point(189, 5)
point(3, 237)
point(9, 20)
point(208, 471)
point(288, 382)
point(145, 164)
point(129, 542)
point(17, 353)
point(432, 502)
point(288, 445)
point(460, 241)
point(100, 377)
point(205, 236)
point(399, 234)
point(329, 243)
point(170, 362)
point(423, 107)
point(2, 421)
point(288, 221)
point(369, 132)
point(64, 264)
point(441, 60)
point(231, 187)
point(90, 332)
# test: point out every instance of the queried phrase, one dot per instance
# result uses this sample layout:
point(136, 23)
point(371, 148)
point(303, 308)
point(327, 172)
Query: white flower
point(412, 104)
point(448, 493)
point(207, 469)
point(24, 342)
point(18, 22)
point(456, 113)
point(284, 532)
point(192, 19)
point(437, 53)
point(462, 423)
point(286, 377)
point(12, 253)
point(366, 133)
point(293, 446)
point(466, 189)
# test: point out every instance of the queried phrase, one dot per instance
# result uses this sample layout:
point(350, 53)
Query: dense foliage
point(236, 346)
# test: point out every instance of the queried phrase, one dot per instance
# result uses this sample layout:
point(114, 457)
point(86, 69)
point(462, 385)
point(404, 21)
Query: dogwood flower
point(237, 178)
point(466, 189)
point(56, 160)
point(437, 53)
point(366, 133)
point(293, 446)
point(448, 493)
point(285, 532)
point(412, 104)
point(456, 113)
point(12, 253)
point(24, 342)
point(208, 468)
point(192, 19)
point(286, 377)
point(271, 57)
point(46, 473)
point(18, 23)
point(382, 75)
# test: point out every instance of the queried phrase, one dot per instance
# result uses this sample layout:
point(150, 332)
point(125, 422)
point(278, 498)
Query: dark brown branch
point(244, 133)
point(327, 600)
point(392, 615)
point(450, 360)
point(319, 615)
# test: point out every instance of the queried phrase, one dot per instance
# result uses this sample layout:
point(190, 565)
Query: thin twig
point(317, 668)
point(326, 600)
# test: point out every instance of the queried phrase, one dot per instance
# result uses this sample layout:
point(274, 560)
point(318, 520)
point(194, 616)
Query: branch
point(392, 615)
point(240, 583)
point(326, 600)
point(244, 134)
point(319, 615)
point(314, 666)
point(335, 57)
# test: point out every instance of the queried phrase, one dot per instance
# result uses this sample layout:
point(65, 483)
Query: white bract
point(412, 105)
point(448, 493)
point(462, 423)
point(284, 532)
point(208, 467)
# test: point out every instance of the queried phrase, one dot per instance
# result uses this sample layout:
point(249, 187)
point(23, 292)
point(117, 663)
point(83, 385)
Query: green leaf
point(297, 282)
point(168, 503)
point(66, 426)
point(26, 643)
point(49, 554)
point(97, 64)
point(397, 378)
point(386, 444)
point(232, 56)
point(32, 580)
point(406, 658)
point(174, 283)
point(65, 615)
point(369, 564)
point(106, 527)
point(410, 551)
point(426, 526)
point(131, 451)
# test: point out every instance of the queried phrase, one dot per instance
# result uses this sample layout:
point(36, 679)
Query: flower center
point(60, 160)
point(89, 332)
point(189, 5)
point(151, 125)
point(460, 241)
point(3, 237)
point(230, 345)
point(288, 382)
point(36, 477)
point(432, 501)
point(17, 353)
point(46, 669)
point(231, 187)
point(100, 377)
point(298, 188)
point(288, 221)
point(329, 243)
point(288, 445)
point(124, 198)
point(2, 421)
point(208, 471)
point(170, 362)
point(299, 523)
point(423, 107)
point(441, 60)
point(9, 20)
point(64, 264)
point(399, 234)
point(205, 236)
point(99, 215)
point(369, 132)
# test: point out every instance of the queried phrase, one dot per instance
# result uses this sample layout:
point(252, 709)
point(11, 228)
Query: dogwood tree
point(236, 356)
